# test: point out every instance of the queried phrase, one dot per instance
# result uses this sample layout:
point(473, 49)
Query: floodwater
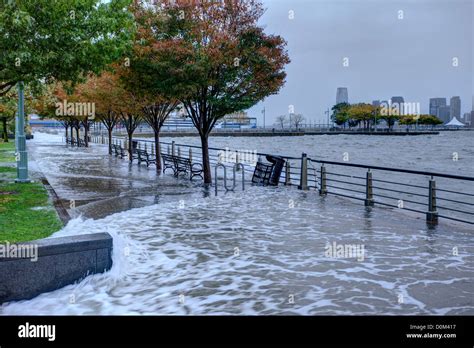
point(178, 249)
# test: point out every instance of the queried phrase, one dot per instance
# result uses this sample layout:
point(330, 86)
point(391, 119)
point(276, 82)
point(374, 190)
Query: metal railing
point(436, 195)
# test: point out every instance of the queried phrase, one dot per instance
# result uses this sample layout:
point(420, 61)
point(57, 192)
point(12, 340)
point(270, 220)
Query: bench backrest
point(168, 158)
point(182, 160)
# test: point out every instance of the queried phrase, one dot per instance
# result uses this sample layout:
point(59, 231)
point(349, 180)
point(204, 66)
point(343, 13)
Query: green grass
point(7, 173)
point(7, 152)
point(18, 221)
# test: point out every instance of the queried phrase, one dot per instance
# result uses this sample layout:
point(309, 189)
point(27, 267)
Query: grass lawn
point(7, 152)
point(26, 212)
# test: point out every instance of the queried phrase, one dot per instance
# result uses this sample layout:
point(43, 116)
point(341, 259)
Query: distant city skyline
point(373, 49)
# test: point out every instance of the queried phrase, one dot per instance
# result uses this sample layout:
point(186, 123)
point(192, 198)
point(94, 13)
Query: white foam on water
point(168, 260)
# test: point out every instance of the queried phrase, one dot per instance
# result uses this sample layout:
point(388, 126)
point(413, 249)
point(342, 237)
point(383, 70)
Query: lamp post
point(263, 112)
point(20, 141)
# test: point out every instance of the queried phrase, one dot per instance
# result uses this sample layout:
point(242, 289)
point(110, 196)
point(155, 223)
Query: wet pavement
point(92, 184)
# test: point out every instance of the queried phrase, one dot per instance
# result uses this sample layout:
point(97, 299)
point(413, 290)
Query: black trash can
point(278, 163)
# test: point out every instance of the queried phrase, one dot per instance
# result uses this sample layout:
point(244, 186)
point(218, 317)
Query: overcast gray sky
point(388, 56)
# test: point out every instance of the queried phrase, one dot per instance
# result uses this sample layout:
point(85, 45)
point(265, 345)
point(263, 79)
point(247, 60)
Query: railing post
point(168, 149)
point(432, 214)
point(369, 191)
point(190, 155)
point(287, 173)
point(179, 151)
point(237, 160)
point(152, 148)
point(173, 153)
point(323, 191)
point(304, 173)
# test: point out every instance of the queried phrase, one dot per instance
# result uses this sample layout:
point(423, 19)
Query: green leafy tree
point(340, 114)
point(64, 40)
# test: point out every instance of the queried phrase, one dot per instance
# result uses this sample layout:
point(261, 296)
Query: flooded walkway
point(178, 250)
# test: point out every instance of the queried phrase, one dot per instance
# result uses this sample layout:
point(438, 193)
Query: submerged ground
point(178, 249)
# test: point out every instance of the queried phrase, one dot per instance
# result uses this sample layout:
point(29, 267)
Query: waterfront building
point(455, 106)
point(466, 118)
point(436, 103)
point(237, 120)
point(342, 95)
point(444, 113)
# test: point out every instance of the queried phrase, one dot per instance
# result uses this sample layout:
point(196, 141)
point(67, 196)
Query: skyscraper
point(435, 103)
point(400, 101)
point(342, 96)
point(444, 113)
point(455, 105)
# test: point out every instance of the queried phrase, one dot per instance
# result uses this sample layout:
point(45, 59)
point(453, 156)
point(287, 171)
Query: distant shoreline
point(281, 134)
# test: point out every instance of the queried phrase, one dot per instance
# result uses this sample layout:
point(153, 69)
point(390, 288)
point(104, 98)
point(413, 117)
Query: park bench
point(118, 151)
point(143, 156)
point(168, 162)
point(135, 154)
point(182, 165)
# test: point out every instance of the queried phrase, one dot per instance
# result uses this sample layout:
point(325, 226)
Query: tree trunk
point(86, 133)
point(72, 130)
point(130, 146)
point(206, 166)
point(109, 131)
point(5, 131)
point(157, 153)
point(66, 127)
point(77, 135)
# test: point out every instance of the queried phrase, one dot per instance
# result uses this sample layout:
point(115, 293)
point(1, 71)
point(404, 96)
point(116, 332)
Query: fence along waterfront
point(436, 195)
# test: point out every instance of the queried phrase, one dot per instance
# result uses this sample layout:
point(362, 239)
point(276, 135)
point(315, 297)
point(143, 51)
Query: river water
point(262, 250)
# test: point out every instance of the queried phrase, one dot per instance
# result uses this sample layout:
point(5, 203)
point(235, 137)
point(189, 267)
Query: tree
point(105, 91)
point(44, 39)
point(215, 60)
point(138, 77)
point(363, 113)
point(8, 109)
point(340, 114)
point(155, 114)
point(281, 121)
point(7, 112)
point(410, 120)
point(297, 120)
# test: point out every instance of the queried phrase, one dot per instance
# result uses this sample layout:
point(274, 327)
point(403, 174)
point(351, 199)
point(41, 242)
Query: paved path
point(93, 184)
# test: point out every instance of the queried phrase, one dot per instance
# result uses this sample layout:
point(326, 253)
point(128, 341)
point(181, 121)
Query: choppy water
point(261, 251)
point(428, 152)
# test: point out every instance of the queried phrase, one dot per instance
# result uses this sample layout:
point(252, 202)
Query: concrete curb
point(59, 262)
